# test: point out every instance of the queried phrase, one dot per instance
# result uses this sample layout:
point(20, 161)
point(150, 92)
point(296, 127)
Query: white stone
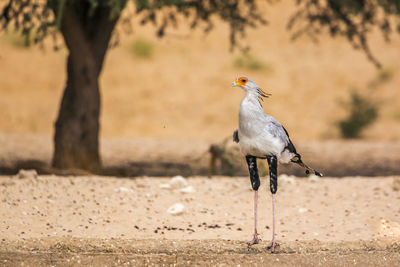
point(176, 209)
point(178, 182)
point(165, 186)
point(302, 210)
point(123, 189)
point(22, 174)
point(188, 189)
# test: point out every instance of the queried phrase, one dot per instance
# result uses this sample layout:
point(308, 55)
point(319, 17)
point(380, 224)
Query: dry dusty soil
point(99, 221)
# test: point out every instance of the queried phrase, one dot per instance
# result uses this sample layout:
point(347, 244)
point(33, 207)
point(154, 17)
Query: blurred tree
point(87, 27)
point(353, 19)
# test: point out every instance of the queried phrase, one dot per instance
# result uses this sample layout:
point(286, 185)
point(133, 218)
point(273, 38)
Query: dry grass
point(184, 90)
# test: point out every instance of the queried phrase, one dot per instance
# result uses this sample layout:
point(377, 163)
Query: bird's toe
point(273, 246)
point(255, 240)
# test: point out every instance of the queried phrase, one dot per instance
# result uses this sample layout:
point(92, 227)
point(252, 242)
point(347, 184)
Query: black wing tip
point(235, 136)
point(318, 174)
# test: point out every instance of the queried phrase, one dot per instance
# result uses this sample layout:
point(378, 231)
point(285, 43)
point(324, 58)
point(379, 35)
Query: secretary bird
point(261, 136)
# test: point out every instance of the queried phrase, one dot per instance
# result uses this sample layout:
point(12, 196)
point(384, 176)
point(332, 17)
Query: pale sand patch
point(332, 209)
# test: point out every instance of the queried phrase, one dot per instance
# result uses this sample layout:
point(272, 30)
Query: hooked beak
point(235, 84)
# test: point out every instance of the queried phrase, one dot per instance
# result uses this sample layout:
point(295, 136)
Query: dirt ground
point(133, 252)
point(113, 218)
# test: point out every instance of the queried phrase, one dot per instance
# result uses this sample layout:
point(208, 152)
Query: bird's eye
point(243, 80)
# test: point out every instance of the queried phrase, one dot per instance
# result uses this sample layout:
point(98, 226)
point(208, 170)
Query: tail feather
point(297, 159)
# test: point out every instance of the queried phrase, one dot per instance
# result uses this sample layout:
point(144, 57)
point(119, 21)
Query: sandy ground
point(330, 209)
point(50, 213)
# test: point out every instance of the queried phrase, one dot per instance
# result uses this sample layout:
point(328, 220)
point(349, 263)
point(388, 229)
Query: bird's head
point(249, 86)
point(245, 83)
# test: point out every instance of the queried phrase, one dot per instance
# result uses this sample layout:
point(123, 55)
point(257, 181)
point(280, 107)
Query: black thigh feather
point(273, 173)
point(254, 178)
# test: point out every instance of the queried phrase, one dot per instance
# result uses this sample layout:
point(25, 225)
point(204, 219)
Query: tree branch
point(102, 35)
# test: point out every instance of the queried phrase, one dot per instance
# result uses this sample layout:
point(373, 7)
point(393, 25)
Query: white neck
point(251, 101)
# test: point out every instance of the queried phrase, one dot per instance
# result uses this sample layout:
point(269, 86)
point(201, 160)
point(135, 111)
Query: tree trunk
point(76, 130)
point(77, 127)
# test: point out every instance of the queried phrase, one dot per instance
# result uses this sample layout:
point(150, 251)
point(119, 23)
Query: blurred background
point(175, 91)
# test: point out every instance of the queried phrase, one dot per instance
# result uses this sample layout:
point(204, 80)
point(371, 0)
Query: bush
point(142, 48)
point(382, 76)
point(361, 113)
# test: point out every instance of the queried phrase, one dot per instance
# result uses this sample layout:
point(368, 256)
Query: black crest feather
point(262, 94)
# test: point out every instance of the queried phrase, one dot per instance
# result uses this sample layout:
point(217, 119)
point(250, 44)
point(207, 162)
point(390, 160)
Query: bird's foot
point(273, 246)
point(255, 240)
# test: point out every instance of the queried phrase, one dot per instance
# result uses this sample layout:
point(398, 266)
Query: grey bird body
point(261, 135)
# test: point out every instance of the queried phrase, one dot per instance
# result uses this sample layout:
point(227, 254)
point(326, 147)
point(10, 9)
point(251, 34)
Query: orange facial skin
point(241, 81)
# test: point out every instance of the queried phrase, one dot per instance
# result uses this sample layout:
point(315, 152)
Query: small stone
point(23, 174)
point(302, 210)
point(177, 182)
point(176, 209)
point(123, 189)
point(188, 189)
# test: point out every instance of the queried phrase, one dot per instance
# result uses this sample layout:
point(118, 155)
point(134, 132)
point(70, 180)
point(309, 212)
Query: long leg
point(255, 184)
point(273, 178)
